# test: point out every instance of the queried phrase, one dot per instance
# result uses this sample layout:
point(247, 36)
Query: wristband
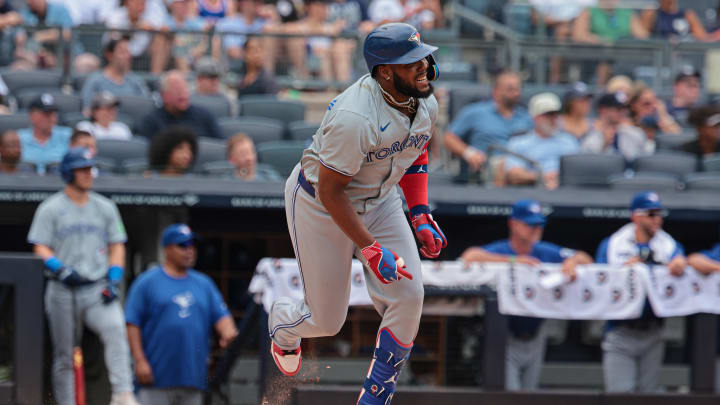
point(469, 151)
point(115, 273)
point(53, 264)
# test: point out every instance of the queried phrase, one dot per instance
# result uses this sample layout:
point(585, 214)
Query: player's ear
point(384, 73)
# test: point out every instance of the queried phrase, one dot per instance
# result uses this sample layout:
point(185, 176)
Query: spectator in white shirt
point(102, 122)
point(423, 14)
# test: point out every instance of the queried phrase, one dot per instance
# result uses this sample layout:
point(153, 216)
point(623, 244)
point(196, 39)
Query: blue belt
point(305, 185)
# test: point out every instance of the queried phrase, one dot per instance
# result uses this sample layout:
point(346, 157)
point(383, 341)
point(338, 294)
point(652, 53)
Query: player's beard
point(409, 89)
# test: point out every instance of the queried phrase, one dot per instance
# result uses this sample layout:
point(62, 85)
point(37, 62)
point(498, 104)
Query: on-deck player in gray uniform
point(80, 236)
point(341, 201)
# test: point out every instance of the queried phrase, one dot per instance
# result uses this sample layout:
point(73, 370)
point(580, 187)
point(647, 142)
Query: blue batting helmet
point(398, 44)
point(75, 158)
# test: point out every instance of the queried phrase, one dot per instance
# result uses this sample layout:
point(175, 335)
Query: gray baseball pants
point(170, 396)
point(108, 321)
point(324, 254)
point(524, 360)
point(632, 359)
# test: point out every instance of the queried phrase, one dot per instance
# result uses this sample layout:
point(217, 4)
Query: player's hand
point(144, 373)
point(386, 265)
point(677, 266)
point(429, 234)
point(110, 293)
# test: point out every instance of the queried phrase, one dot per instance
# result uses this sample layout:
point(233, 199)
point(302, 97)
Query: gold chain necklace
point(410, 105)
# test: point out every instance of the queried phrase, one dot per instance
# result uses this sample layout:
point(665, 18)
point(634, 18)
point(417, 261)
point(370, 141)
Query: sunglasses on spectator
point(652, 213)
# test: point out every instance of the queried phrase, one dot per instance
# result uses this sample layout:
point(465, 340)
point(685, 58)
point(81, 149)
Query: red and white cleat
point(288, 361)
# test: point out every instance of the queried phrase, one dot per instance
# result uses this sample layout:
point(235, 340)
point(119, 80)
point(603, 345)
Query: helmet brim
point(413, 56)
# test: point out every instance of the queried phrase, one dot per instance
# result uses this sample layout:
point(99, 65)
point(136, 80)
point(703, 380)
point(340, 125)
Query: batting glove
point(386, 265)
point(111, 292)
point(65, 275)
point(429, 234)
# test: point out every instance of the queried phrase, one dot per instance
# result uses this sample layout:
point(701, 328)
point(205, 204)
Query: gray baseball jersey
point(79, 235)
point(363, 137)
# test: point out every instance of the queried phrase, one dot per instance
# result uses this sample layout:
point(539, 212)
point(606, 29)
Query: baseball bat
point(78, 366)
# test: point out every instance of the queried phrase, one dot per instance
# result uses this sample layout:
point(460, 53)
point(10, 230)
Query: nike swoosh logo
point(382, 129)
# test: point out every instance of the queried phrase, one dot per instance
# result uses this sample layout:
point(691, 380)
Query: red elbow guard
point(414, 186)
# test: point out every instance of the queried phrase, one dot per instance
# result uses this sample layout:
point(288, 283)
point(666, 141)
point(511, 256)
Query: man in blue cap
point(633, 349)
point(526, 341)
point(171, 311)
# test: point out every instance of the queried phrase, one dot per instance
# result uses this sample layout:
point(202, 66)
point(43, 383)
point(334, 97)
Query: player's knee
point(331, 325)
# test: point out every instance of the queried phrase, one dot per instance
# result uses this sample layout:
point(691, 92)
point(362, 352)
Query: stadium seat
point(135, 107)
point(286, 111)
point(645, 181)
point(66, 103)
point(673, 142)
point(18, 80)
point(210, 150)
point(711, 163)
point(675, 163)
point(135, 166)
point(14, 121)
point(462, 96)
point(78, 81)
point(440, 178)
point(122, 150)
point(703, 181)
point(219, 107)
point(258, 128)
point(70, 119)
point(281, 155)
point(301, 130)
point(219, 168)
point(589, 170)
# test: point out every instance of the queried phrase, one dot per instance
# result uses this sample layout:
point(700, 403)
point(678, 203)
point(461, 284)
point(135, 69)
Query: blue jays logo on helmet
point(398, 44)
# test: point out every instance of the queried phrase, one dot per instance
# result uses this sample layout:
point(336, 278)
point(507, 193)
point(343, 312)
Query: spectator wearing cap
point(487, 123)
point(612, 132)
point(207, 78)
point(577, 106)
point(686, 93)
point(116, 77)
point(138, 15)
point(544, 145)
point(256, 79)
point(706, 120)
point(670, 21)
point(177, 110)
point(650, 114)
point(171, 312)
point(633, 350)
point(186, 47)
point(44, 142)
point(103, 115)
point(526, 341)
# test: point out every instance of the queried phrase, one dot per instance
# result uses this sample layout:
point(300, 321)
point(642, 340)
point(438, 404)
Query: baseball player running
point(80, 236)
point(341, 201)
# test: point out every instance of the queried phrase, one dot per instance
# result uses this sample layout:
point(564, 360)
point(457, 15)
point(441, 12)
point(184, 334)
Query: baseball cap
point(647, 200)
point(616, 100)
point(687, 71)
point(544, 103)
point(177, 234)
point(104, 99)
point(44, 102)
point(207, 67)
point(528, 211)
point(578, 90)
